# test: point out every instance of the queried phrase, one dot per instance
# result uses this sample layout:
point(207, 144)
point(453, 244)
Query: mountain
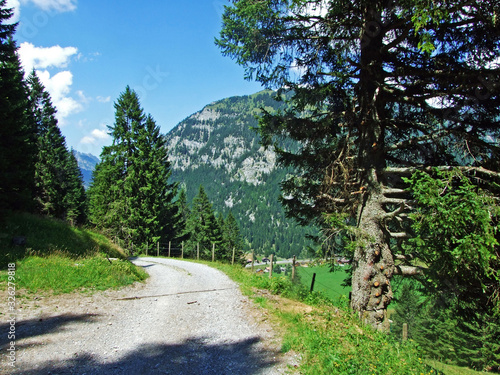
point(216, 147)
point(87, 163)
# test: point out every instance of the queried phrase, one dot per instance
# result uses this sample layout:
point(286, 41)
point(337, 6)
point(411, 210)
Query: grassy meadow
point(59, 258)
point(327, 282)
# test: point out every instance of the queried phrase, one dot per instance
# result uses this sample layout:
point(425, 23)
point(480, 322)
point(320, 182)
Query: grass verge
point(330, 339)
point(58, 258)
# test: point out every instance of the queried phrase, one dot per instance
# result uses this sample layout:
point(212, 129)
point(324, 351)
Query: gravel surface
point(187, 318)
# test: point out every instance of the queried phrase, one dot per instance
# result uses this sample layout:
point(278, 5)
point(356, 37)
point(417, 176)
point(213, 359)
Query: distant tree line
point(206, 229)
point(39, 173)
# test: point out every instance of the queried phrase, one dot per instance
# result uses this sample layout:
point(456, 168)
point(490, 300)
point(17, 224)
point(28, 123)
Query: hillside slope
point(217, 147)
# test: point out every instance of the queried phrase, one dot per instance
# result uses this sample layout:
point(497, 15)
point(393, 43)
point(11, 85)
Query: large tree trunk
point(373, 264)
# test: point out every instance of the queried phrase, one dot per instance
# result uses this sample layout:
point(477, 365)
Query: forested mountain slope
point(217, 148)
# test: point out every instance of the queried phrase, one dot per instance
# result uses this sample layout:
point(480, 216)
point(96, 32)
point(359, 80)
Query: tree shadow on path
point(42, 326)
point(193, 356)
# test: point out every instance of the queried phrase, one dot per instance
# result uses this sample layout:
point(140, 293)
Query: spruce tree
point(184, 213)
point(17, 131)
point(407, 310)
point(75, 200)
point(202, 226)
point(130, 196)
point(53, 169)
point(231, 239)
point(378, 90)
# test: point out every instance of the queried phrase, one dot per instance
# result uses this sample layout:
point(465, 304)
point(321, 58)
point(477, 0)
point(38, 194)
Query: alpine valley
point(218, 147)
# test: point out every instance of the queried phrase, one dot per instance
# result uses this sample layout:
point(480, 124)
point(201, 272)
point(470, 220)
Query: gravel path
point(187, 319)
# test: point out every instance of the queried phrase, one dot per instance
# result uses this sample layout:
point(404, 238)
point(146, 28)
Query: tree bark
point(373, 265)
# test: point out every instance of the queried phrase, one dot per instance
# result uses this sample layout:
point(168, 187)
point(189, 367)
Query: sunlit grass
point(62, 274)
point(330, 339)
point(58, 258)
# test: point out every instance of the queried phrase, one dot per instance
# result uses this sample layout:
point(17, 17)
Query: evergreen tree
point(184, 214)
point(379, 89)
point(75, 200)
point(202, 226)
point(407, 310)
point(130, 196)
point(59, 184)
point(154, 215)
point(17, 131)
point(231, 239)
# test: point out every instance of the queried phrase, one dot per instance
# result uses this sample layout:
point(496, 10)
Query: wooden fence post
point(182, 250)
point(293, 268)
point(405, 331)
point(147, 245)
point(232, 262)
point(253, 258)
point(158, 249)
point(198, 251)
point(169, 246)
point(312, 282)
point(213, 252)
point(271, 268)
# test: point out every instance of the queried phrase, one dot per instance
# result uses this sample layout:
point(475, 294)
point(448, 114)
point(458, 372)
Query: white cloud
point(46, 5)
point(102, 99)
point(17, 10)
point(57, 5)
point(100, 134)
point(45, 57)
point(95, 136)
point(59, 87)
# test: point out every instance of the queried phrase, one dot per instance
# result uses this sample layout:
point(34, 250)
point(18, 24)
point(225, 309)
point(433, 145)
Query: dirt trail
point(187, 319)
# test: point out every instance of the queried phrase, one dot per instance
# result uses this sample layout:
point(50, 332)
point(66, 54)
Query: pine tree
point(202, 226)
point(231, 239)
point(54, 169)
point(130, 196)
point(75, 200)
point(378, 90)
point(17, 129)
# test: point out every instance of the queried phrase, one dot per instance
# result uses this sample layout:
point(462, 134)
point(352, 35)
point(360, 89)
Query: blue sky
point(86, 52)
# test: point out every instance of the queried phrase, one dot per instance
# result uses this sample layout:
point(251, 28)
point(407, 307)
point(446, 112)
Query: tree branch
point(393, 191)
point(391, 215)
point(332, 199)
point(401, 235)
point(409, 270)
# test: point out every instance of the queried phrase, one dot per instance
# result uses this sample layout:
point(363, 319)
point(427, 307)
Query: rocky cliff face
point(87, 163)
point(218, 148)
point(220, 137)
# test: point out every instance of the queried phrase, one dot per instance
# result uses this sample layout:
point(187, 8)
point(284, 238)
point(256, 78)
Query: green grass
point(453, 370)
point(330, 339)
point(63, 274)
point(329, 283)
point(58, 258)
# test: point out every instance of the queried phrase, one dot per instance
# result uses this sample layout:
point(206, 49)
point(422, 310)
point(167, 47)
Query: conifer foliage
point(130, 197)
point(204, 230)
point(39, 174)
point(202, 225)
point(59, 190)
point(17, 134)
point(379, 89)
